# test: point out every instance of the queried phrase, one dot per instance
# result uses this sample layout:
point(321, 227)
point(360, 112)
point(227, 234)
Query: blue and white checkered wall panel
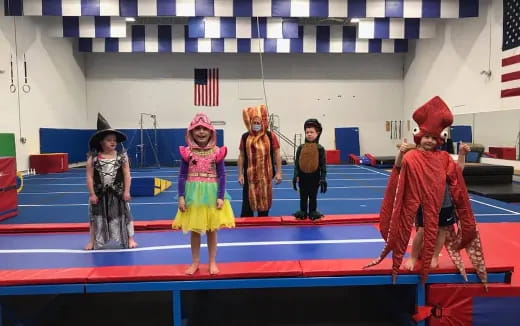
point(396, 28)
point(174, 38)
point(98, 26)
point(247, 8)
point(242, 27)
point(246, 27)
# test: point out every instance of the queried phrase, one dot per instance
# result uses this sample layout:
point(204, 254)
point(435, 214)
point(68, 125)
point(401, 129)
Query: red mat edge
point(346, 267)
point(269, 269)
point(166, 224)
point(139, 273)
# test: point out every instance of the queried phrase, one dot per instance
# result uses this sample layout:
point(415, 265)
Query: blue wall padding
point(75, 143)
point(71, 141)
point(503, 311)
point(461, 133)
point(347, 142)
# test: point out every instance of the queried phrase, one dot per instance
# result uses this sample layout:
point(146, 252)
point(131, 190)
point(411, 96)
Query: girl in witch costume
point(108, 183)
point(419, 182)
point(310, 171)
point(204, 205)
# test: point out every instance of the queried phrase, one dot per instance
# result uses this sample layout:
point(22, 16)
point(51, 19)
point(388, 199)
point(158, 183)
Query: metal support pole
point(177, 312)
point(141, 145)
point(155, 139)
point(420, 299)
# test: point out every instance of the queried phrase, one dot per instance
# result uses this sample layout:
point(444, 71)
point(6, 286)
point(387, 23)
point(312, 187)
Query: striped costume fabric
point(247, 8)
point(173, 38)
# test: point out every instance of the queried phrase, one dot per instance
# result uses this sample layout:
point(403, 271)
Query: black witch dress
point(111, 222)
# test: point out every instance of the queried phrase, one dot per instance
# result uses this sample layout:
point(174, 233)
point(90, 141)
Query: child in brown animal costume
point(310, 171)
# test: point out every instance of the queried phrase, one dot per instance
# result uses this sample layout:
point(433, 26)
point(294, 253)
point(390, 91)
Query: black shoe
point(315, 215)
point(300, 215)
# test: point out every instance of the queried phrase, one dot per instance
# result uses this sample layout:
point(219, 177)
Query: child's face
point(201, 135)
point(109, 143)
point(428, 143)
point(311, 134)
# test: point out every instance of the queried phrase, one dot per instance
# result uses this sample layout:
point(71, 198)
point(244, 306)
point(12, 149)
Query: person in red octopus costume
point(420, 182)
point(447, 216)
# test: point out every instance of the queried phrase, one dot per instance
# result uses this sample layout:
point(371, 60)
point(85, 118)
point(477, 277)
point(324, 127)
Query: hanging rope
point(17, 79)
point(260, 50)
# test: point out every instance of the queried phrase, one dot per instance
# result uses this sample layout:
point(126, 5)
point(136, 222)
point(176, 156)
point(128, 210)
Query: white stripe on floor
point(187, 246)
point(497, 207)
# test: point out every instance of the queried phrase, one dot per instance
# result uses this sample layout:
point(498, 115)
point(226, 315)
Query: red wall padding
point(8, 194)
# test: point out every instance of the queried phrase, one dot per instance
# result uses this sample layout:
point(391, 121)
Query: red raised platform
point(49, 163)
point(332, 156)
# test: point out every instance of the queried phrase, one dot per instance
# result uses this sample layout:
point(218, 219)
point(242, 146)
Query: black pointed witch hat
point(103, 129)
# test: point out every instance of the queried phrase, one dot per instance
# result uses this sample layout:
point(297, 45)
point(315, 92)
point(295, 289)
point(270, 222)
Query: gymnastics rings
point(20, 176)
point(26, 88)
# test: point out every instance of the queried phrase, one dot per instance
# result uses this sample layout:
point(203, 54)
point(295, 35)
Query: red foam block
point(333, 219)
point(44, 228)
point(44, 276)
point(258, 221)
point(49, 163)
point(177, 272)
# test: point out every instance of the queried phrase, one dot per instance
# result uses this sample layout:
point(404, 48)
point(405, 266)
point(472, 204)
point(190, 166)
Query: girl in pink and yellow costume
point(204, 205)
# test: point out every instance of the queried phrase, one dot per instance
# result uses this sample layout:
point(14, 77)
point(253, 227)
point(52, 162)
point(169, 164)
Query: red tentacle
point(476, 255)
point(451, 244)
point(431, 228)
point(460, 198)
point(387, 207)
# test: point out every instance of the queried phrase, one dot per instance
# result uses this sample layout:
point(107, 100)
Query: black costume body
point(310, 171)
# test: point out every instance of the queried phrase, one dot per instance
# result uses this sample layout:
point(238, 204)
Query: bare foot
point(89, 246)
point(132, 243)
point(192, 269)
point(435, 262)
point(410, 264)
point(213, 269)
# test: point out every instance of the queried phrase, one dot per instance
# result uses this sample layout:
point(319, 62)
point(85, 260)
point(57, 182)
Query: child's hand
point(323, 186)
point(464, 149)
point(241, 179)
point(182, 204)
point(93, 199)
point(278, 178)
point(404, 146)
point(220, 203)
point(126, 196)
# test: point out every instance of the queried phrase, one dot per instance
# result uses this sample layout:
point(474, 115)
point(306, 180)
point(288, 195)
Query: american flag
point(511, 50)
point(206, 87)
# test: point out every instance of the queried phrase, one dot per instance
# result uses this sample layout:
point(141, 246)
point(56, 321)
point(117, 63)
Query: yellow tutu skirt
point(202, 218)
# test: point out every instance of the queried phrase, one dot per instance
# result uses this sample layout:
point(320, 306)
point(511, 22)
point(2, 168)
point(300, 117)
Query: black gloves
point(294, 182)
point(323, 186)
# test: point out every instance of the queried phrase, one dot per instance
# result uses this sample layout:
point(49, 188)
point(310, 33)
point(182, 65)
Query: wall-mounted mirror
point(497, 131)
